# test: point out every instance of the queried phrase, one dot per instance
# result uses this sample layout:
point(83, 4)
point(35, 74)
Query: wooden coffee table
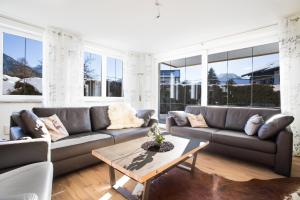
point(144, 166)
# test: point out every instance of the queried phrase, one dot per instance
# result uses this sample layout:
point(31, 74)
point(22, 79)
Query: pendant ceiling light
point(157, 5)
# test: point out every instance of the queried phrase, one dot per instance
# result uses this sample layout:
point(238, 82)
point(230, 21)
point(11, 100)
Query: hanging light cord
point(157, 4)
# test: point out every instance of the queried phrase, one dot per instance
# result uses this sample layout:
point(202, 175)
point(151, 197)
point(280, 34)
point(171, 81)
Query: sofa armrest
point(152, 122)
point(15, 154)
point(16, 133)
point(284, 153)
point(169, 123)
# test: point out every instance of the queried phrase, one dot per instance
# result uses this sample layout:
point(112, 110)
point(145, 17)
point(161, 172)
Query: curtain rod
point(239, 33)
point(21, 21)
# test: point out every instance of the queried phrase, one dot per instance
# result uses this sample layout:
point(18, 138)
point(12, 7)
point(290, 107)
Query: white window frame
point(18, 98)
point(105, 53)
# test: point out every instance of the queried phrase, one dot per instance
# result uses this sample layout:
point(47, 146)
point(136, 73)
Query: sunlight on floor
point(107, 196)
point(122, 181)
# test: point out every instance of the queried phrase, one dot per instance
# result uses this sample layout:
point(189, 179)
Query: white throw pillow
point(122, 115)
point(253, 124)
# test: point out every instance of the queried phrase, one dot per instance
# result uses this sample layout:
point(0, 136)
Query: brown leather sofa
point(87, 129)
point(226, 136)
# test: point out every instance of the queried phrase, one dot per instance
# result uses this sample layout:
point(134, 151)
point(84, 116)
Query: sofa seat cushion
point(240, 139)
point(79, 144)
point(76, 120)
point(122, 135)
point(31, 179)
point(202, 133)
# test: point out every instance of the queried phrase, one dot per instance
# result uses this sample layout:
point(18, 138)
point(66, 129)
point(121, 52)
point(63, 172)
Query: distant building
point(167, 75)
point(268, 75)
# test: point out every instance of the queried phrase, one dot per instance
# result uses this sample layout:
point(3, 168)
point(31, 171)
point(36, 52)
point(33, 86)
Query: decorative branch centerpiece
point(158, 144)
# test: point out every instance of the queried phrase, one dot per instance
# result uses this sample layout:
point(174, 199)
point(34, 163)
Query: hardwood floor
point(93, 183)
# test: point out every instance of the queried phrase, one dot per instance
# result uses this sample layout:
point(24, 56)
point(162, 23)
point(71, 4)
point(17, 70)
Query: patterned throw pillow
point(253, 124)
point(197, 121)
point(55, 127)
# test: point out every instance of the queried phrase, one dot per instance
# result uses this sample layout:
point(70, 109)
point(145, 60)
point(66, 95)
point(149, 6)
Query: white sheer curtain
point(63, 64)
point(289, 48)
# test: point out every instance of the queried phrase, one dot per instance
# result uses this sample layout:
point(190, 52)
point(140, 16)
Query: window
point(92, 74)
point(180, 84)
point(245, 77)
point(114, 80)
point(22, 65)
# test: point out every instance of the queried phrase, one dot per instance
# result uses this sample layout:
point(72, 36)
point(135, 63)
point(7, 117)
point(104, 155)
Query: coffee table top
point(141, 165)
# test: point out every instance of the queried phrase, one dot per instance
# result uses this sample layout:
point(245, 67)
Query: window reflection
point(92, 74)
point(180, 84)
point(246, 77)
point(114, 81)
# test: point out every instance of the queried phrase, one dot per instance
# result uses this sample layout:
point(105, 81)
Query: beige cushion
point(122, 115)
point(197, 121)
point(55, 127)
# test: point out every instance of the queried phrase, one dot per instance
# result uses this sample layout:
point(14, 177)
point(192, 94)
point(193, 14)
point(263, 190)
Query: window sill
point(103, 99)
point(20, 99)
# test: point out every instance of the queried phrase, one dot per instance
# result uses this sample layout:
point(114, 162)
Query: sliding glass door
point(180, 85)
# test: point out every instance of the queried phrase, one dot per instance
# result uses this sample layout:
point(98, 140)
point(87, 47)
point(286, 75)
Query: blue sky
point(95, 64)
point(14, 46)
point(244, 66)
point(114, 68)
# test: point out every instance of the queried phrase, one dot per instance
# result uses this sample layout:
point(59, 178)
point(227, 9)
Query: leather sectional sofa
point(87, 129)
point(226, 136)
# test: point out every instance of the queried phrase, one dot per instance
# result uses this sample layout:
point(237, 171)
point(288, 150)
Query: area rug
point(178, 184)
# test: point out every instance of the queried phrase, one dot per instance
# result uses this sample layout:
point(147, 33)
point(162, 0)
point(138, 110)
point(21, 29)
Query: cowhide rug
point(178, 184)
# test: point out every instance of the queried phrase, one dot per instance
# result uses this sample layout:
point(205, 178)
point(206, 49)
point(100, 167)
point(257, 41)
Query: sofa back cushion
point(214, 116)
point(99, 117)
point(196, 110)
point(237, 117)
point(75, 120)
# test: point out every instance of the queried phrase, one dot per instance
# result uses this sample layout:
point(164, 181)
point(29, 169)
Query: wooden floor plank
point(93, 182)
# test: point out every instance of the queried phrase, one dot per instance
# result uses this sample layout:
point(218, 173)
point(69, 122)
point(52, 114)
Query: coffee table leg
point(194, 162)
point(146, 189)
point(112, 176)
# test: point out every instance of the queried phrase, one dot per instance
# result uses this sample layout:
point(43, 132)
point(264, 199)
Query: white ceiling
point(131, 24)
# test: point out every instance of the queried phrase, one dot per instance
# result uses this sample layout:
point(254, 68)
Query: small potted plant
point(158, 144)
point(155, 133)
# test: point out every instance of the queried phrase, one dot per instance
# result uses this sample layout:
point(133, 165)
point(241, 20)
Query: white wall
point(289, 73)
point(139, 78)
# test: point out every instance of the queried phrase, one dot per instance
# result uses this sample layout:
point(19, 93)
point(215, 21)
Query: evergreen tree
point(212, 77)
point(231, 82)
